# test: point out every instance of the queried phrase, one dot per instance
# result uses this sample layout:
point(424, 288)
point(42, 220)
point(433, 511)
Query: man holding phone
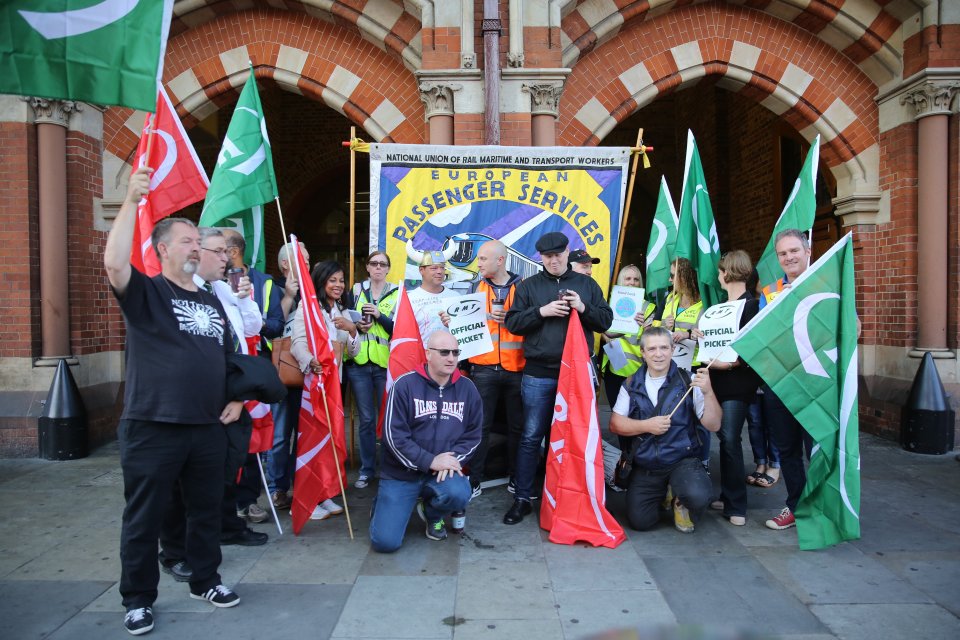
point(540, 313)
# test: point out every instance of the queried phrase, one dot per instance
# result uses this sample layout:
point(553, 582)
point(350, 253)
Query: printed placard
point(626, 302)
point(719, 325)
point(683, 353)
point(468, 324)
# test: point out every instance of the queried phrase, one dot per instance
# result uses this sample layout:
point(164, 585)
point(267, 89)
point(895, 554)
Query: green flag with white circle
point(663, 241)
point(804, 346)
point(101, 51)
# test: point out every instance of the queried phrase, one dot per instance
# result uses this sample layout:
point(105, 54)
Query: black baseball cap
point(553, 242)
point(582, 256)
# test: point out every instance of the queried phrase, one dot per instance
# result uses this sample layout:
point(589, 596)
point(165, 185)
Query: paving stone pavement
point(59, 568)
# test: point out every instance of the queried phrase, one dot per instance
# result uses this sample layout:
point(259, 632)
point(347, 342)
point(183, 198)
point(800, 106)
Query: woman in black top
point(735, 385)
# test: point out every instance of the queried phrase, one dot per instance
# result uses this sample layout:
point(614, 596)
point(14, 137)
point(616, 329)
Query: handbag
point(287, 366)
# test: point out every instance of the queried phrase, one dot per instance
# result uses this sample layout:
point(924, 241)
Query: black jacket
point(543, 338)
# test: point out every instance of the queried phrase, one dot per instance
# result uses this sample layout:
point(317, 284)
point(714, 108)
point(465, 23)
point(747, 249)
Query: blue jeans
point(396, 499)
point(733, 490)
point(286, 416)
point(791, 440)
point(764, 450)
point(539, 395)
point(367, 383)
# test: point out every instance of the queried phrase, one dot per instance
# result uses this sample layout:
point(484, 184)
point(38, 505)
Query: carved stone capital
point(931, 98)
point(515, 59)
point(468, 60)
point(438, 97)
point(49, 111)
point(544, 98)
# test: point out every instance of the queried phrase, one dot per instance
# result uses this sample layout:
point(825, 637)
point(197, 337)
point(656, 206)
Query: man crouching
point(432, 428)
point(666, 449)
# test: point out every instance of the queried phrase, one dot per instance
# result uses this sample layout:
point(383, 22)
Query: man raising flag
point(697, 238)
point(804, 345)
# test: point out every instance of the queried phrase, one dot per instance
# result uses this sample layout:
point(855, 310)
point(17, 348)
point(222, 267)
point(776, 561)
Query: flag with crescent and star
point(663, 241)
point(697, 239)
point(178, 179)
point(244, 179)
point(798, 213)
point(804, 346)
point(107, 52)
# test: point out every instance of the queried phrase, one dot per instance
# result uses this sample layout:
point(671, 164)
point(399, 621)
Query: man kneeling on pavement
point(666, 449)
point(432, 428)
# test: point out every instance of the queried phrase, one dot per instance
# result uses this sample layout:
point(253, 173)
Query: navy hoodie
point(424, 419)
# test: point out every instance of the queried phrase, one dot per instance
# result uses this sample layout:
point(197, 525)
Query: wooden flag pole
point(353, 203)
point(638, 151)
point(336, 461)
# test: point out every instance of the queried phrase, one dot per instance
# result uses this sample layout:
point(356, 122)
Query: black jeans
point(733, 489)
point(153, 456)
point(493, 383)
point(690, 484)
point(791, 439)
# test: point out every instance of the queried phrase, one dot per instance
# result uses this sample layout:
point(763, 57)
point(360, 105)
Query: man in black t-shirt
point(174, 407)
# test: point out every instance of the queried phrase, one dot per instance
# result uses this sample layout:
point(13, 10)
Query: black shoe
point(180, 570)
point(519, 509)
point(138, 621)
point(218, 596)
point(245, 538)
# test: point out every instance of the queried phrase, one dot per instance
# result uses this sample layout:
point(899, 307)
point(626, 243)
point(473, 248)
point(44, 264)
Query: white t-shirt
point(622, 405)
point(427, 307)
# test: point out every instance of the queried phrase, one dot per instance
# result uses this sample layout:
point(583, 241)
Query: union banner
point(428, 198)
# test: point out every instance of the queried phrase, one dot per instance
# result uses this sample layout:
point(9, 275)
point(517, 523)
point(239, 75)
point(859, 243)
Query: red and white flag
point(178, 178)
point(406, 348)
point(318, 474)
point(574, 495)
point(261, 439)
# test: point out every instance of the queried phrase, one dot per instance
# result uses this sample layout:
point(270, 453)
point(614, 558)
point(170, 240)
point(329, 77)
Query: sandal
point(765, 481)
point(756, 475)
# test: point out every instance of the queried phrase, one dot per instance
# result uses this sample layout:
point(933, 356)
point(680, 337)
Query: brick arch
point(205, 68)
point(866, 31)
point(790, 72)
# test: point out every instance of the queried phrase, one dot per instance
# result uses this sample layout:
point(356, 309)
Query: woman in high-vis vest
point(613, 378)
point(683, 306)
point(375, 298)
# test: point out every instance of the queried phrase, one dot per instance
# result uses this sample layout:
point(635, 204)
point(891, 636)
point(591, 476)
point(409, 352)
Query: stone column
point(544, 110)
point(438, 99)
point(52, 118)
point(931, 100)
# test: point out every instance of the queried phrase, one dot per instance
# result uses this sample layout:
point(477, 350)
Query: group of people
point(184, 433)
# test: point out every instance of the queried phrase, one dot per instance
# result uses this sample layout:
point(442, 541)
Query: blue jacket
point(424, 419)
point(681, 439)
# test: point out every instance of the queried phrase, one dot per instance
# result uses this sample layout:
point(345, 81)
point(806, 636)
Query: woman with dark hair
point(375, 298)
point(735, 385)
point(328, 280)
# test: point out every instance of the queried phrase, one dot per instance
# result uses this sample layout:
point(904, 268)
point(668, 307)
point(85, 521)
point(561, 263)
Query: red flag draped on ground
point(406, 348)
point(178, 179)
point(316, 477)
point(573, 494)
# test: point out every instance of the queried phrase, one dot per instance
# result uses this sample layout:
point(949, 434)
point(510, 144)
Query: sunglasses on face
point(446, 352)
point(377, 264)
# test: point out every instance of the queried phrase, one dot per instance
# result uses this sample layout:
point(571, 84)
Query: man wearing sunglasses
point(431, 430)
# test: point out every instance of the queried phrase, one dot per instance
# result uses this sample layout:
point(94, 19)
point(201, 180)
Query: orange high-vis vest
point(507, 347)
point(771, 291)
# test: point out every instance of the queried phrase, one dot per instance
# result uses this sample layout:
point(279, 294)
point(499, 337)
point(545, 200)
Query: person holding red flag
point(432, 429)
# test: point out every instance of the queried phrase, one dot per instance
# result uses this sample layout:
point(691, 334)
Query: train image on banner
point(462, 271)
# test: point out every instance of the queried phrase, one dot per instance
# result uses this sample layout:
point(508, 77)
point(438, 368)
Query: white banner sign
point(719, 325)
point(626, 302)
point(468, 324)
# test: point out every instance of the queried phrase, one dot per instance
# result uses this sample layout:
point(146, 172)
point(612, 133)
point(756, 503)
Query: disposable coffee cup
point(233, 277)
point(497, 305)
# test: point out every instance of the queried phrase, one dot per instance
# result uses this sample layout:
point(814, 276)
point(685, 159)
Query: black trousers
point(690, 484)
point(494, 383)
point(154, 456)
point(791, 439)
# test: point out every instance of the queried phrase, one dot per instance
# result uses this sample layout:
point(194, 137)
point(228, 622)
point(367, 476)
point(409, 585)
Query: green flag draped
point(107, 52)
point(663, 241)
point(243, 180)
point(804, 346)
point(697, 238)
point(798, 213)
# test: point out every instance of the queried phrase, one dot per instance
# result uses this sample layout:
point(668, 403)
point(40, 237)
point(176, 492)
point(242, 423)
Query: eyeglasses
point(446, 352)
point(374, 263)
point(221, 253)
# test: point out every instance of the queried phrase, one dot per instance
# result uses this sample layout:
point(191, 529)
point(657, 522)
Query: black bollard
point(63, 422)
point(926, 421)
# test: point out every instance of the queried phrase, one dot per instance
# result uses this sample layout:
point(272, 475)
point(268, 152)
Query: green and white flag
point(804, 346)
point(243, 180)
point(798, 213)
point(697, 238)
point(663, 241)
point(101, 51)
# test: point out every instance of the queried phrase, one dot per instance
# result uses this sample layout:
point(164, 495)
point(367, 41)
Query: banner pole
point(626, 209)
point(266, 488)
point(336, 461)
point(353, 203)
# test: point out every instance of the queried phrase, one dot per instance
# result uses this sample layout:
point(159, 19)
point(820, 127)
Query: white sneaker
point(319, 513)
point(331, 507)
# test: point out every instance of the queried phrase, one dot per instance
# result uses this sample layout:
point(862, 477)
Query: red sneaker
point(783, 521)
